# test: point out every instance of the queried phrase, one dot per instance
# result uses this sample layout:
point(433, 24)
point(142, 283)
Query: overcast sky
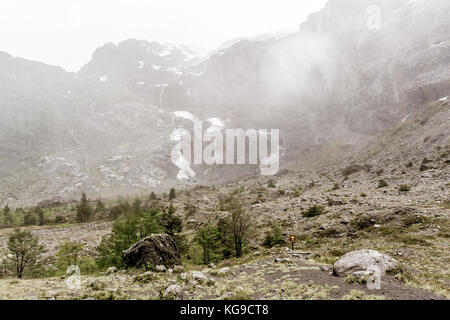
point(66, 32)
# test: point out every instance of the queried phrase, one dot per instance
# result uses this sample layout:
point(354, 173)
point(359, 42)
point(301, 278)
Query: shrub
point(328, 233)
point(313, 211)
point(274, 237)
point(271, 184)
point(363, 222)
point(297, 192)
point(382, 183)
point(404, 188)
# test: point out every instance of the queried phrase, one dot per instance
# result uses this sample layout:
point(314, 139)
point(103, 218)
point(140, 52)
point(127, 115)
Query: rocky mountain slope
point(106, 129)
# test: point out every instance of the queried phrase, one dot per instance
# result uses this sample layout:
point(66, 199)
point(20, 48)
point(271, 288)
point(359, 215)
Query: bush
point(382, 183)
point(363, 222)
point(404, 188)
point(274, 237)
point(313, 211)
point(297, 192)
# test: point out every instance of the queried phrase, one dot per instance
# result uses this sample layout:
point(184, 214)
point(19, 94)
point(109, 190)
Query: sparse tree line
point(85, 209)
point(211, 242)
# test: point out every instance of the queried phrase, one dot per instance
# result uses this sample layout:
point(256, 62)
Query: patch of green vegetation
point(404, 188)
point(413, 240)
point(274, 237)
point(361, 295)
point(382, 184)
point(363, 222)
point(297, 192)
point(271, 184)
point(328, 233)
point(314, 211)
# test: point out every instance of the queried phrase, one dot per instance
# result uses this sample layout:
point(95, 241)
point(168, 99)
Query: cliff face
point(369, 63)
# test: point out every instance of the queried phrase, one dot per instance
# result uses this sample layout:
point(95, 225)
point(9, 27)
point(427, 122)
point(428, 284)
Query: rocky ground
point(266, 276)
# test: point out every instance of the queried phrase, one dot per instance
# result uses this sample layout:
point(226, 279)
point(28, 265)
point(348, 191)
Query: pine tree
point(84, 210)
point(153, 197)
point(208, 238)
point(172, 194)
point(40, 214)
point(100, 207)
point(137, 203)
point(6, 211)
point(171, 222)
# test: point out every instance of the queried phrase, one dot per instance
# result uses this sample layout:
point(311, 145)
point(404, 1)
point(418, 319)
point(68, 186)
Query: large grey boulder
point(363, 260)
point(157, 249)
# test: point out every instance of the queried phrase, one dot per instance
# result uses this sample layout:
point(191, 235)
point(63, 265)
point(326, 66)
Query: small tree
point(69, 254)
point(239, 224)
point(29, 219)
point(171, 222)
point(226, 238)
point(7, 217)
point(25, 250)
point(137, 205)
point(100, 208)
point(3, 262)
point(153, 197)
point(208, 238)
point(84, 210)
point(172, 194)
point(40, 214)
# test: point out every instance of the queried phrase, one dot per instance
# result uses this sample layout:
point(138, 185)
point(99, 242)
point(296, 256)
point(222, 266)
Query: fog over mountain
point(105, 130)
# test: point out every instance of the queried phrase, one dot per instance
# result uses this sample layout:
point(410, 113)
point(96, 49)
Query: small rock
point(178, 269)
point(111, 270)
point(213, 266)
point(200, 276)
point(224, 271)
point(160, 268)
point(173, 291)
point(183, 276)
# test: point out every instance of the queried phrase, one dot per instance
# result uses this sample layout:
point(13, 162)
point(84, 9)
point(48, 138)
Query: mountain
point(105, 130)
